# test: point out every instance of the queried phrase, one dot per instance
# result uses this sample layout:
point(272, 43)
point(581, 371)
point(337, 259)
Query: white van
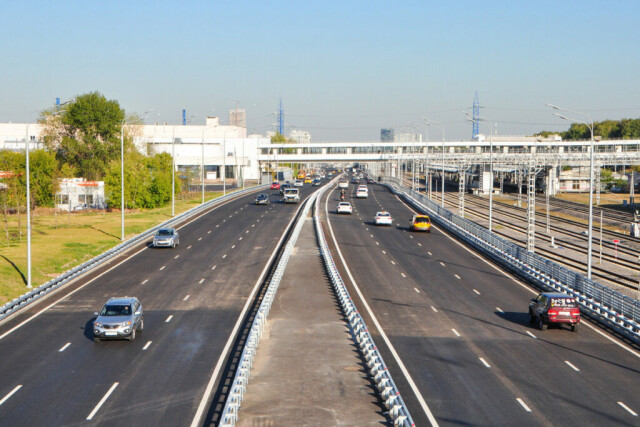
point(291, 195)
point(362, 193)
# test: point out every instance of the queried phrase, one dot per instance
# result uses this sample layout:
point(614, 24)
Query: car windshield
point(345, 204)
point(384, 214)
point(422, 220)
point(115, 310)
point(563, 302)
point(165, 232)
point(262, 196)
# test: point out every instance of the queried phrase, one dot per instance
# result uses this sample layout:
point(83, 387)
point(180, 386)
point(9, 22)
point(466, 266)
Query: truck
point(291, 195)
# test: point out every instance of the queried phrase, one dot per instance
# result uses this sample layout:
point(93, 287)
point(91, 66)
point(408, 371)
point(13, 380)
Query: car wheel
point(541, 325)
point(531, 317)
point(133, 335)
point(173, 244)
point(141, 327)
point(574, 327)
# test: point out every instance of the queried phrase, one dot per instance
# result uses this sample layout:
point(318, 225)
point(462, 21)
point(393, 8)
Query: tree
point(86, 135)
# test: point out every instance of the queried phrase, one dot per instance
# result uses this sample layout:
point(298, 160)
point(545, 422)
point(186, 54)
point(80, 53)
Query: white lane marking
point(390, 346)
point(223, 357)
point(366, 229)
point(456, 332)
point(189, 247)
point(403, 275)
point(411, 237)
point(434, 309)
point(209, 232)
point(393, 262)
point(371, 235)
point(619, 403)
point(384, 252)
point(146, 346)
point(484, 362)
point(457, 277)
point(253, 225)
point(200, 282)
point(572, 366)
point(104, 399)
point(476, 291)
point(224, 256)
point(233, 246)
point(199, 238)
point(214, 267)
point(246, 232)
point(524, 405)
point(64, 347)
point(144, 281)
point(441, 263)
point(419, 244)
point(186, 298)
point(429, 253)
point(169, 319)
point(377, 243)
point(176, 257)
point(240, 238)
point(162, 268)
point(417, 290)
point(217, 225)
point(4, 399)
point(531, 335)
point(499, 310)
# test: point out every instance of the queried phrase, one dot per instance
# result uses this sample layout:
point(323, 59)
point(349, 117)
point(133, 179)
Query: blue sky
point(344, 69)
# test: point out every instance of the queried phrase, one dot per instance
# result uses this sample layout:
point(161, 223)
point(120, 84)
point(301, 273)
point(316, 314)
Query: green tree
point(44, 177)
point(630, 128)
point(86, 134)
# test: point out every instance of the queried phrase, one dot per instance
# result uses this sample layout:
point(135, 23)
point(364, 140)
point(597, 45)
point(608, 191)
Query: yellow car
point(420, 223)
point(308, 180)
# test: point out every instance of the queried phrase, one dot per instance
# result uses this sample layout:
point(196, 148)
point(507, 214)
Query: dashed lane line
point(531, 335)
point(403, 275)
point(186, 298)
point(524, 405)
point(456, 332)
point(434, 309)
point(619, 403)
point(176, 257)
point(146, 346)
point(64, 347)
point(441, 263)
point(144, 281)
point(201, 281)
point(169, 318)
point(484, 362)
point(393, 262)
point(572, 366)
point(214, 267)
point(457, 277)
point(476, 291)
point(417, 290)
point(189, 247)
point(499, 310)
point(224, 256)
point(162, 268)
point(11, 393)
point(104, 399)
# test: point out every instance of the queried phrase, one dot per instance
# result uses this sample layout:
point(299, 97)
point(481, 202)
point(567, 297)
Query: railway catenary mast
point(280, 119)
point(476, 116)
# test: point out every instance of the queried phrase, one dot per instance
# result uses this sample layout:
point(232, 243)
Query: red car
point(275, 185)
point(554, 308)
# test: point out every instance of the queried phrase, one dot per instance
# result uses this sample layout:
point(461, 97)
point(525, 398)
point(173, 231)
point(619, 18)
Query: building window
point(62, 199)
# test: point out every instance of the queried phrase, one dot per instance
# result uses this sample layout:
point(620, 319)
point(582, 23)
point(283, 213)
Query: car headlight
point(97, 325)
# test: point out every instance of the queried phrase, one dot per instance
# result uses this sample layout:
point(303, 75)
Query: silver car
point(120, 318)
point(166, 237)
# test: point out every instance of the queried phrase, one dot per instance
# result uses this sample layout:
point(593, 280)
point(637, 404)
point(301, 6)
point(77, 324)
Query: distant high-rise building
point(386, 135)
point(238, 117)
point(300, 136)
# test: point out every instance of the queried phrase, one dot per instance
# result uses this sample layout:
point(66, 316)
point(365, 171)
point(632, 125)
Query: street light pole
point(122, 178)
point(441, 125)
point(28, 213)
point(173, 173)
point(591, 178)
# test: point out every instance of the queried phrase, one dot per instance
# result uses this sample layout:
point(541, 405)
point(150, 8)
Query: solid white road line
point(484, 362)
point(499, 310)
point(144, 281)
point(417, 290)
point(104, 399)
point(457, 277)
point(186, 298)
point(572, 366)
point(200, 282)
point(524, 405)
point(476, 291)
point(531, 335)
point(392, 349)
point(146, 346)
point(619, 403)
point(434, 309)
point(64, 347)
point(169, 319)
point(162, 268)
point(456, 332)
point(4, 399)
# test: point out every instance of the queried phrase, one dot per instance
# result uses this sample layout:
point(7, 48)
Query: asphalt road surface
point(466, 352)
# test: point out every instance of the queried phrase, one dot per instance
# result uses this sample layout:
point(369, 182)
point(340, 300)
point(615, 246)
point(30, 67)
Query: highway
point(54, 374)
point(465, 350)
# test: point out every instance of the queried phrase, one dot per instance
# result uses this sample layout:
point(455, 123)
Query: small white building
point(77, 194)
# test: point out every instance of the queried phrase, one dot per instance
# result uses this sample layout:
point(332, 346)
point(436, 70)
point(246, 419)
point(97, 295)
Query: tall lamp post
point(28, 212)
point(491, 128)
point(441, 126)
point(589, 124)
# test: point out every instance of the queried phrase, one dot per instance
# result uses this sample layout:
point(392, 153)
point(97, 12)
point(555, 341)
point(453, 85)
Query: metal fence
point(97, 261)
point(599, 302)
point(377, 368)
point(238, 387)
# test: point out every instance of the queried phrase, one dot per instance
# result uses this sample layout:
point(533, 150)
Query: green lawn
point(60, 241)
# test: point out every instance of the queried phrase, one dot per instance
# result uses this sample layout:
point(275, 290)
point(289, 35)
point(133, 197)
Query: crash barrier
point(597, 301)
point(238, 387)
point(97, 261)
point(375, 364)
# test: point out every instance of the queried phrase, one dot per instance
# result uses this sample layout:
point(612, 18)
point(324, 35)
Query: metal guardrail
point(69, 275)
point(599, 302)
point(239, 385)
point(377, 368)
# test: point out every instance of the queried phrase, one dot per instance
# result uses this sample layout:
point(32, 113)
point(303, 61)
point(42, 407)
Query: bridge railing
point(69, 275)
point(599, 302)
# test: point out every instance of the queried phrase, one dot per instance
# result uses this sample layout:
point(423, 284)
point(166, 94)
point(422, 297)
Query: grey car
point(166, 237)
point(262, 199)
point(120, 318)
